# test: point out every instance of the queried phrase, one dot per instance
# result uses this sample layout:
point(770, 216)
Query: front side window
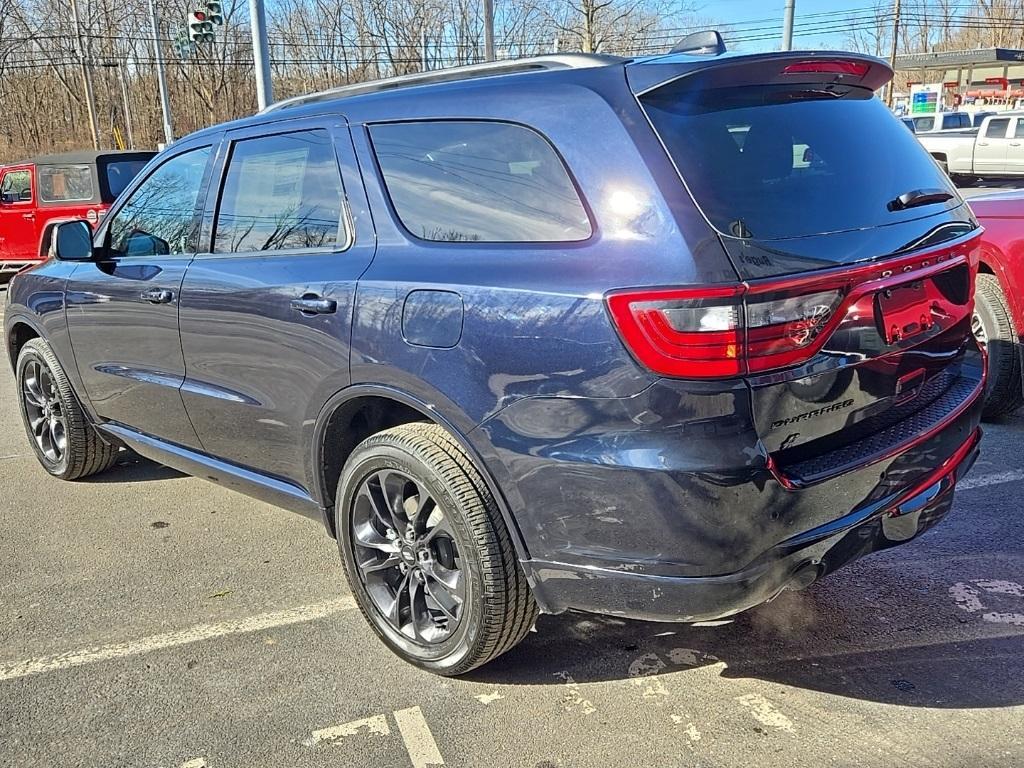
point(16, 187)
point(478, 181)
point(997, 128)
point(280, 193)
point(66, 183)
point(159, 217)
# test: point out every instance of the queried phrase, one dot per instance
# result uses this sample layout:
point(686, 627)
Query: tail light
point(761, 326)
point(828, 67)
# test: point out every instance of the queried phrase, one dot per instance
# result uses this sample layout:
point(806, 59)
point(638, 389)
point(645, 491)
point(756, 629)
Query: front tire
point(65, 442)
point(426, 552)
point(993, 327)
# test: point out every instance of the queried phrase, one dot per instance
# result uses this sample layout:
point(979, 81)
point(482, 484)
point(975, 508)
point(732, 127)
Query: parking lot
point(152, 619)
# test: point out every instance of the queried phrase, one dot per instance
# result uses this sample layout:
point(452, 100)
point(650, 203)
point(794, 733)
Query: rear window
point(120, 173)
point(66, 183)
point(478, 181)
point(924, 123)
point(775, 162)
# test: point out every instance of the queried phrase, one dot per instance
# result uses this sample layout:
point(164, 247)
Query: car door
point(19, 233)
point(1015, 149)
point(122, 307)
point(266, 310)
point(990, 148)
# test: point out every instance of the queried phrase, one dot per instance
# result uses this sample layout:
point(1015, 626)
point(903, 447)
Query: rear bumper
point(794, 563)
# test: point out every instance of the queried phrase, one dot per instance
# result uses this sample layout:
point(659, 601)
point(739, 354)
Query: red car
point(999, 300)
point(38, 194)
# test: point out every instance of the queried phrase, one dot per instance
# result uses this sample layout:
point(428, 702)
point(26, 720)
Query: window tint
point(924, 123)
point(159, 216)
point(1019, 130)
point(839, 152)
point(997, 128)
point(281, 192)
point(120, 173)
point(65, 183)
point(478, 181)
point(17, 187)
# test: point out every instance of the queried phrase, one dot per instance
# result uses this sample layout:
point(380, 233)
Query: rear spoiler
point(726, 70)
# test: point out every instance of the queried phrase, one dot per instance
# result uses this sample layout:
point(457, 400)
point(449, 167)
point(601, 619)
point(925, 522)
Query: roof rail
point(453, 74)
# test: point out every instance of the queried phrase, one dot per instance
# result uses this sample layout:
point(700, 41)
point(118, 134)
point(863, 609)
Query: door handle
point(28, 215)
point(1014, 143)
point(157, 296)
point(311, 304)
point(982, 143)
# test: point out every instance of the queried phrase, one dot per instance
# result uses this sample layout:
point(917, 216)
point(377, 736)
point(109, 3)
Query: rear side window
point(120, 173)
point(997, 128)
point(781, 161)
point(1019, 131)
point(65, 183)
point(476, 181)
point(281, 192)
point(16, 187)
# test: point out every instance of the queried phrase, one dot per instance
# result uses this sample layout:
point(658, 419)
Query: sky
point(822, 31)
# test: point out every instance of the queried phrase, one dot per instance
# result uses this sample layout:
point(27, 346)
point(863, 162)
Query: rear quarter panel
point(1002, 251)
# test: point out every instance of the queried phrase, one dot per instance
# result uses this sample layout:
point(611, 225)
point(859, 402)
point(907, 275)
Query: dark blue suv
point(656, 338)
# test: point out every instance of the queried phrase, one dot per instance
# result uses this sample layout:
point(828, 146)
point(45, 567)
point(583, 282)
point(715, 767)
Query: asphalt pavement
point(151, 619)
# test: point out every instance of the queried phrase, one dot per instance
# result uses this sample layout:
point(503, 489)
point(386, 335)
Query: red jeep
point(37, 195)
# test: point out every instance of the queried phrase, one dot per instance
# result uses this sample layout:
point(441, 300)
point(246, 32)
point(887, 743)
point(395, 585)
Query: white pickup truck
point(996, 149)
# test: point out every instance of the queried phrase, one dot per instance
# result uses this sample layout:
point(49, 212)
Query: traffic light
point(200, 28)
point(184, 47)
point(215, 12)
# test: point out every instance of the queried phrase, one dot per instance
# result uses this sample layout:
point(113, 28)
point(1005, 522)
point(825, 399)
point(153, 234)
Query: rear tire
point(65, 442)
point(426, 552)
point(993, 327)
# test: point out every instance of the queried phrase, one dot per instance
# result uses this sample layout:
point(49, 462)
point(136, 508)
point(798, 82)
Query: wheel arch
point(18, 334)
point(361, 410)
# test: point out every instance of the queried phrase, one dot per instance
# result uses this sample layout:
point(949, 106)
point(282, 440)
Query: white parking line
point(419, 741)
point(171, 639)
point(996, 478)
point(375, 726)
point(199, 762)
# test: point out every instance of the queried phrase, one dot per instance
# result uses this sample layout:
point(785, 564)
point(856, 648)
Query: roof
point(89, 156)
point(974, 57)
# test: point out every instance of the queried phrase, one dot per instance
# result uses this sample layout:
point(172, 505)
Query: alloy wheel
point(44, 411)
point(978, 329)
point(407, 557)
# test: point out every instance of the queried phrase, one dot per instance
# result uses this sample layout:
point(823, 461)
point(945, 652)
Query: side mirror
point(72, 241)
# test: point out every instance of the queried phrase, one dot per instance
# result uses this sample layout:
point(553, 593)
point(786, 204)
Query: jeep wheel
point(426, 552)
point(993, 327)
point(64, 441)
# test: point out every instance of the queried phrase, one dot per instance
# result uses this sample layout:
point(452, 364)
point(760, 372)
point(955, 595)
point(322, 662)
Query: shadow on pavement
point(132, 468)
point(948, 659)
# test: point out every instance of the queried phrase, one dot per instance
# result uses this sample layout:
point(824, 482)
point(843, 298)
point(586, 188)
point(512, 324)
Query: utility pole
point(122, 71)
point(90, 101)
point(787, 25)
point(260, 53)
point(488, 30)
point(890, 93)
point(161, 78)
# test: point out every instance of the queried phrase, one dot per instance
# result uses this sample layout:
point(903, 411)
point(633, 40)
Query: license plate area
point(909, 309)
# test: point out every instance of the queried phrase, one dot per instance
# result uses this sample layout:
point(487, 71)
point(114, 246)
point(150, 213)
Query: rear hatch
point(855, 257)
